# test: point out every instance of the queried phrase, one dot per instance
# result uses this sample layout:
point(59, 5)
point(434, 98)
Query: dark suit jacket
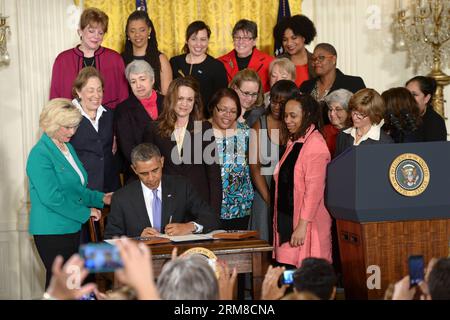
point(129, 216)
point(130, 121)
point(206, 178)
point(345, 141)
point(342, 81)
point(95, 152)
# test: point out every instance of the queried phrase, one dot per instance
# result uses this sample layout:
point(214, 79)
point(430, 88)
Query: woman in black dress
point(195, 62)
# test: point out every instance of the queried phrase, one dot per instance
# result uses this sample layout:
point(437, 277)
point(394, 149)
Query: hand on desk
point(179, 229)
point(149, 232)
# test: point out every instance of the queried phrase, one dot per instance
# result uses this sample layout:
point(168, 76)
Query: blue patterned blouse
point(237, 194)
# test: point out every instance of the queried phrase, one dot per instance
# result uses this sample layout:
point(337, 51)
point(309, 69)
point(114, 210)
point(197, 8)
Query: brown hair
point(252, 76)
point(369, 102)
point(168, 117)
point(83, 77)
point(402, 110)
point(194, 28)
point(92, 16)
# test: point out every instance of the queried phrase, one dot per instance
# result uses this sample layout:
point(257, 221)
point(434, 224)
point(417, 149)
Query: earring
point(149, 36)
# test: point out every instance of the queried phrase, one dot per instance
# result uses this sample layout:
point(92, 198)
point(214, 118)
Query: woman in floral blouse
point(232, 140)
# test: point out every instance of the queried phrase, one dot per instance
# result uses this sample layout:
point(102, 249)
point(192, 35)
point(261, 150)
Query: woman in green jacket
point(60, 201)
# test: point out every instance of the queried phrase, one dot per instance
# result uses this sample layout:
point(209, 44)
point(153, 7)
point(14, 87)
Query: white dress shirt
point(373, 133)
point(94, 122)
point(148, 198)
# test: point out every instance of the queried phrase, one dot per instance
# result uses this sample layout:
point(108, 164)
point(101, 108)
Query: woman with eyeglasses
point(89, 53)
point(294, 33)
point(185, 139)
point(247, 85)
point(60, 199)
point(141, 44)
point(245, 55)
point(196, 62)
point(301, 223)
point(337, 107)
point(329, 77)
point(367, 110)
point(433, 125)
point(232, 139)
point(266, 147)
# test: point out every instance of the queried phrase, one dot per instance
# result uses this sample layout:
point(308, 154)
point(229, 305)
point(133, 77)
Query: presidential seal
point(206, 254)
point(409, 174)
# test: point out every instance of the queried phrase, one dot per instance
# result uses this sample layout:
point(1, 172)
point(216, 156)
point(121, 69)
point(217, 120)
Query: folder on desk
point(236, 234)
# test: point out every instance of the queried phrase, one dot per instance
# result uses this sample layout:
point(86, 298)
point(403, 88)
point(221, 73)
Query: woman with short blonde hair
point(60, 200)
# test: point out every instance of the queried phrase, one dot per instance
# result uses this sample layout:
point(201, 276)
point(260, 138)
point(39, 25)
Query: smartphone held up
point(101, 257)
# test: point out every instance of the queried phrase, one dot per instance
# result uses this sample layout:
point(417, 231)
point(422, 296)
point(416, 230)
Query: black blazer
point(206, 178)
point(130, 120)
point(129, 217)
point(95, 152)
point(345, 141)
point(342, 81)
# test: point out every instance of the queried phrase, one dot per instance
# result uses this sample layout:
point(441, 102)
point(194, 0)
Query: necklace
point(189, 57)
point(62, 147)
point(88, 65)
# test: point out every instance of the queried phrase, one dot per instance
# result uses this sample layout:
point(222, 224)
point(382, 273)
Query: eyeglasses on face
point(358, 115)
point(337, 110)
point(275, 102)
point(225, 111)
point(243, 39)
point(319, 59)
point(248, 94)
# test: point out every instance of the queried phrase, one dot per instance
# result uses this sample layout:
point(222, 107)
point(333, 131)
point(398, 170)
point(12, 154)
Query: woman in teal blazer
point(60, 200)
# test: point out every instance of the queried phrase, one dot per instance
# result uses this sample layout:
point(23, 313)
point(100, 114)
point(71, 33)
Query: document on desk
point(188, 237)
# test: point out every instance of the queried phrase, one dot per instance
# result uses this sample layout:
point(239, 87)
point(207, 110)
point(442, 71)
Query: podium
point(379, 226)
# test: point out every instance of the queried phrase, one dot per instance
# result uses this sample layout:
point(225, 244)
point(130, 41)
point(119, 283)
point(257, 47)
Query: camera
point(416, 270)
point(287, 277)
point(100, 257)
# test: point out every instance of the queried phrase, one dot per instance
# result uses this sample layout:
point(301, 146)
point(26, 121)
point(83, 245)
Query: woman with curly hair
point(294, 33)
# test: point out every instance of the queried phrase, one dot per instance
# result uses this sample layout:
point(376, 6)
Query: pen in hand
point(170, 221)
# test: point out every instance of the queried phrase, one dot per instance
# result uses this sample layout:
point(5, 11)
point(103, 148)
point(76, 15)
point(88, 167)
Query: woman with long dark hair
point(433, 125)
point(141, 44)
point(182, 136)
point(301, 224)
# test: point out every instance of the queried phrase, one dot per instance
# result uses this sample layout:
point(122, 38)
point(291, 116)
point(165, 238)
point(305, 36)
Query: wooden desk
point(250, 255)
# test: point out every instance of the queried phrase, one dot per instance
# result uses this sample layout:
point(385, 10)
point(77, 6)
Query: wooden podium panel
point(388, 246)
point(247, 255)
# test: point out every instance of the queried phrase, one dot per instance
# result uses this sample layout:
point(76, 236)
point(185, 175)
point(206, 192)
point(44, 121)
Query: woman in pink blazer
point(302, 224)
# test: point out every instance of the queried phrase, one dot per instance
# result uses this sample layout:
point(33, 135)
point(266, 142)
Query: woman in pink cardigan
point(90, 53)
point(302, 224)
